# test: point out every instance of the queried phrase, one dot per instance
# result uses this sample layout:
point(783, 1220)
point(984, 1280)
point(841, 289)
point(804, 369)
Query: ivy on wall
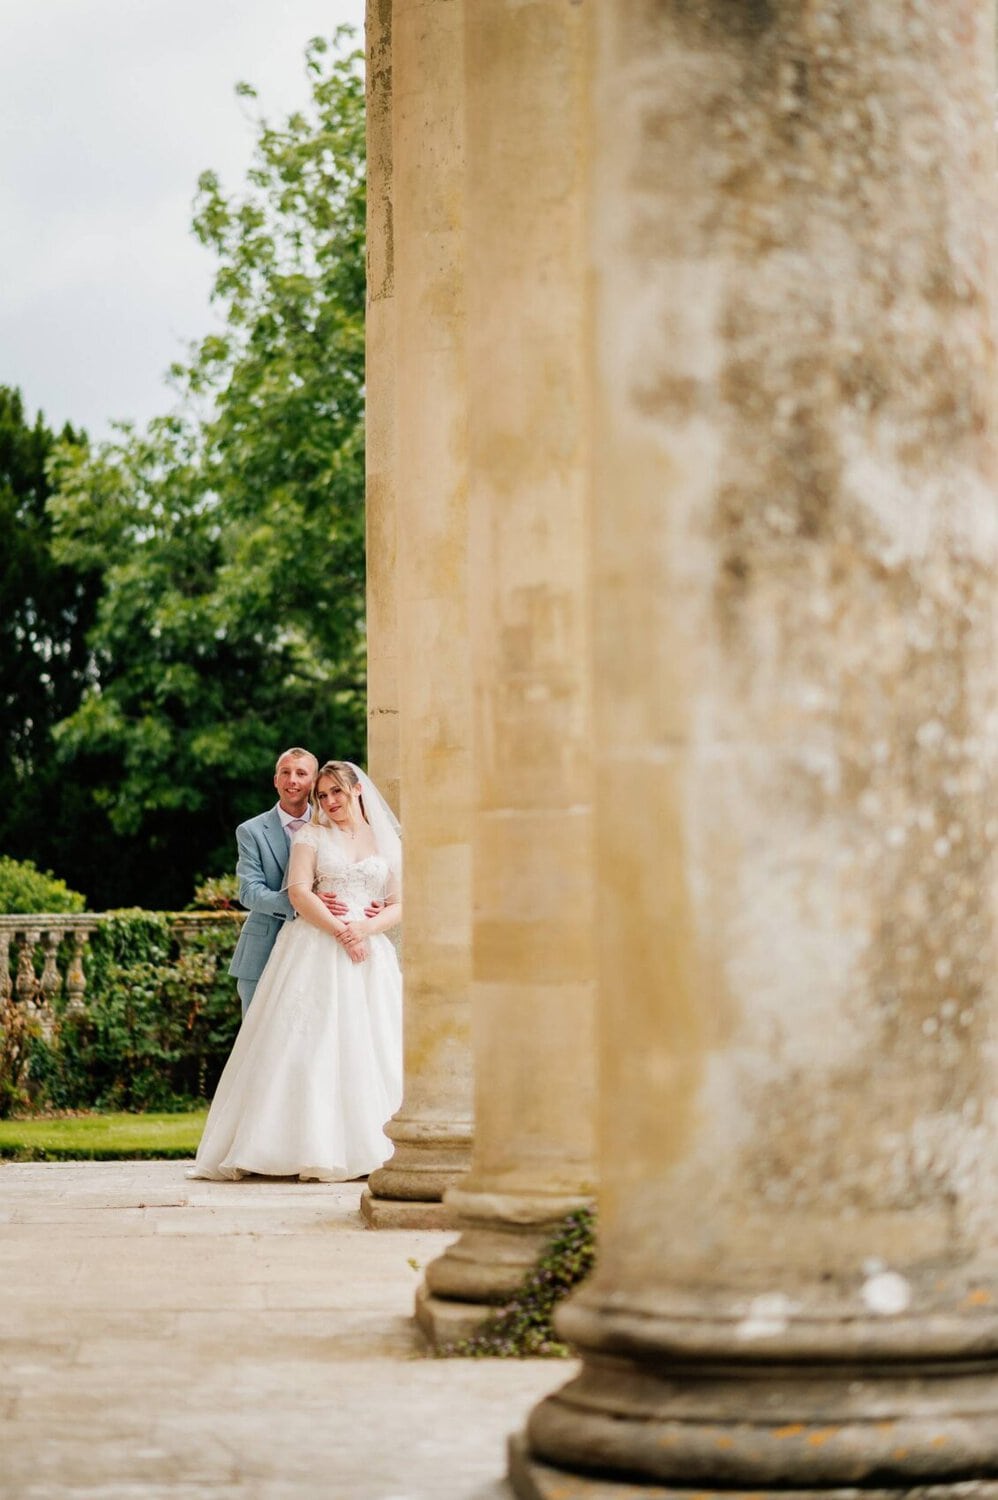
point(157, 1023)
point(524, 1327)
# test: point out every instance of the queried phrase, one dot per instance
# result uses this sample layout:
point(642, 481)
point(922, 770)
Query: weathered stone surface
point(502, 1237)
point(381, 476)
point(795, 540)
point(538, 1481)
point(443, 1322)
point(533, 900)
point(167, 1339)
point(432, 1129)
point(399, 1213)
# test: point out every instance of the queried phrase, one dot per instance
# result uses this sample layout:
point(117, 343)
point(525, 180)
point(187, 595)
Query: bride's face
point(336, 801)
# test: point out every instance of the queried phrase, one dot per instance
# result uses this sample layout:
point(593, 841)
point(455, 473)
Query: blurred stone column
point(533, 1155)
point(432, 1130)
point(795, 547)
point(382, 613)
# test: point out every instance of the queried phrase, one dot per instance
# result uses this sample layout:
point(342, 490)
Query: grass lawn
point(102, 1137)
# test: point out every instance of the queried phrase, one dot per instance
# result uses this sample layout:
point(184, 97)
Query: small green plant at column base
point(523, 1328)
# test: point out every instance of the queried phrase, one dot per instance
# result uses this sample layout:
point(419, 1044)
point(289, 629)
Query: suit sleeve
point(254, 892)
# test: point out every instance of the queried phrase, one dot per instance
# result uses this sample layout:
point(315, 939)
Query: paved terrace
point(230, 1341)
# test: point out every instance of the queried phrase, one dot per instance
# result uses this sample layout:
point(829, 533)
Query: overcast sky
point(109, 111)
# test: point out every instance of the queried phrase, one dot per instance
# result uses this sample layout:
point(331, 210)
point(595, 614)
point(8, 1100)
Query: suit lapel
point(276, 837)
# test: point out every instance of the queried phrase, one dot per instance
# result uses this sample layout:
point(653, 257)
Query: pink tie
point(293, 824)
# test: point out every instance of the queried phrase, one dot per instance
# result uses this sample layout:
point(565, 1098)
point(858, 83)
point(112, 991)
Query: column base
point(442, 1322)
point(533, 1480)
point(430, 1156)
point(407, 1192)
point(502, 1236)
point(404, 1213)
point(830, 1397)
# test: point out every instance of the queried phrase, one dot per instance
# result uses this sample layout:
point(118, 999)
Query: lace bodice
point(356, 882)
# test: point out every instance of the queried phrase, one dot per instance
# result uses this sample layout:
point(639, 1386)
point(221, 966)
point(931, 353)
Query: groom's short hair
point(295, 753)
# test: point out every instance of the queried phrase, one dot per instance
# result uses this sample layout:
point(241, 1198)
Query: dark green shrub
point(18, 1035)
point(523, 1328)
point(25, 888)
point(202, 997)
point(159, 1018)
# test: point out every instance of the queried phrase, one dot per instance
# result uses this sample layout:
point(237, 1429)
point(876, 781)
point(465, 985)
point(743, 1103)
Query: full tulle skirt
point(316, 1069)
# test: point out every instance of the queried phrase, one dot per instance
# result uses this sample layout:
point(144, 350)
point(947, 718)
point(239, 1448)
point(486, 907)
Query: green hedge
point(159, 1017)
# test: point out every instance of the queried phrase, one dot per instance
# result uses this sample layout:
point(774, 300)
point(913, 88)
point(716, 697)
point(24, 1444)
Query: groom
point(264, 844)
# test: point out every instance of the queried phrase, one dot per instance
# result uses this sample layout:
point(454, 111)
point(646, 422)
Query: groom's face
point(293, 780)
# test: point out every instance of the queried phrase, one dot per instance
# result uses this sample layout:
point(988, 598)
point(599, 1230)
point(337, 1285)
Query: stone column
point(432, 1130)
point(795, 545)
point(533, 991)
point(382, 614)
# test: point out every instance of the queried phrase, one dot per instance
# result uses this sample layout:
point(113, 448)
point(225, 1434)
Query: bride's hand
point(351, 937)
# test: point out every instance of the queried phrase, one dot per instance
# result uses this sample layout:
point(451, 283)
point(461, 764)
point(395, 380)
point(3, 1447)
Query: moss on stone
point(523, 1328)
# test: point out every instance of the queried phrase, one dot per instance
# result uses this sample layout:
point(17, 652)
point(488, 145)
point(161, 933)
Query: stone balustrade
point(20, 939)
point(60, 939)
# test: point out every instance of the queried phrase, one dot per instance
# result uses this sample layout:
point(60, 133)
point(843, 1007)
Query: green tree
point(229, 534)
point(47, 607)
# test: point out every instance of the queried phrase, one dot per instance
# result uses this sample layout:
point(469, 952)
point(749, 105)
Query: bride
point(316, 1069)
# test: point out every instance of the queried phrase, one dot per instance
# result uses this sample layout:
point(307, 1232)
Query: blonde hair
point(342, 773)
point(295, 753)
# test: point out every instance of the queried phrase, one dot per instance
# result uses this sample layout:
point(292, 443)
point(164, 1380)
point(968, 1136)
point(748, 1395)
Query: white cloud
point(109, 111)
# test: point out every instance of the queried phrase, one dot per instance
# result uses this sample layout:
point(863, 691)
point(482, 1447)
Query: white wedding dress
point(316, 1069)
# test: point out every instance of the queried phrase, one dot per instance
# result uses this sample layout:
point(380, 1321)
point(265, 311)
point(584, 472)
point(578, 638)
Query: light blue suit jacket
point(261, 867)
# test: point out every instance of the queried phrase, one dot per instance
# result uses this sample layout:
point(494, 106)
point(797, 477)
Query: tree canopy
point(227, 536)
point(47, 609)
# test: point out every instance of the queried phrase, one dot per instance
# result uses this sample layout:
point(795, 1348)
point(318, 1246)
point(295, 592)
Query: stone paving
point(234, 1341)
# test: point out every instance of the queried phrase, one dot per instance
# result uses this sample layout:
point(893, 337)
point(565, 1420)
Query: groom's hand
point(374, 908)
point(333, 903)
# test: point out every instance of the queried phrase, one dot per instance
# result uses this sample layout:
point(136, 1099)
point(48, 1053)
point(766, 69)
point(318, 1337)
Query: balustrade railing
point(39, 938)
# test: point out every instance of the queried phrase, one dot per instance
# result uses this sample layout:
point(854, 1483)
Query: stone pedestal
point(379, 437)
point(432, 1130)
point(533, 1157)
point(794, 551)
